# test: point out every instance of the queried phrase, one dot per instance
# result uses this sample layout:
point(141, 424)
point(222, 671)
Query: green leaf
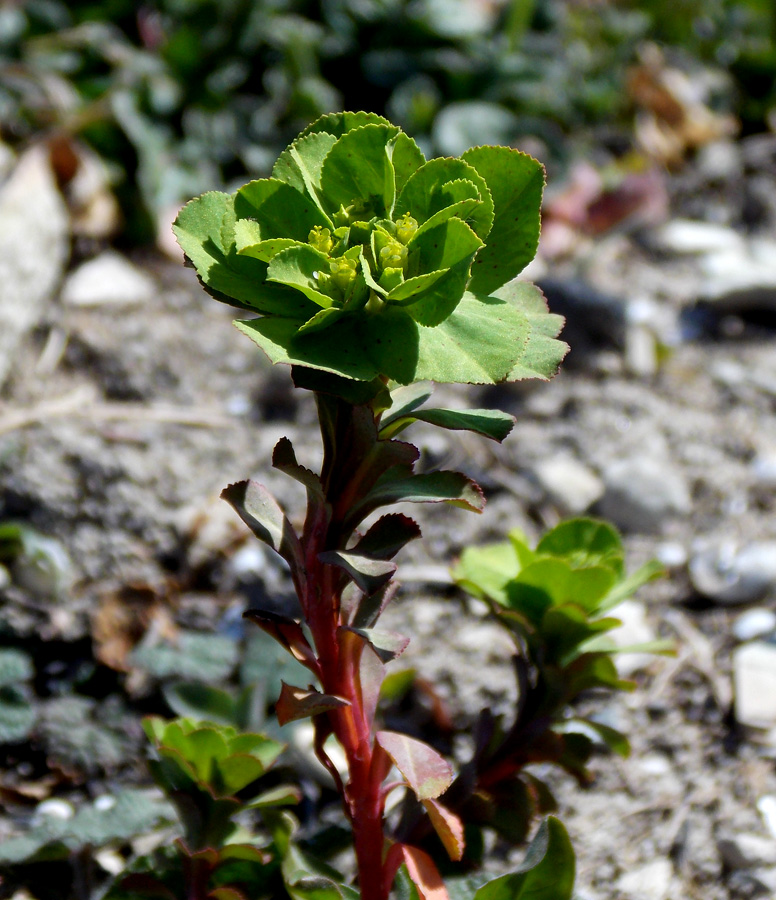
point(426, 193)
point(202, 702)
point(546, 873)
point(584, 542)
point(342, 353)
point(236, 773)
point(204, 229)
point(562, 583)
point(628, 586)
point(488, 570)
point(249, 242)
point(541, 354)
point(300, 164)
point(516, 183)
point(491, 423)
point(406, 157)
point(426, 772)
point(614, 740)
point(280, 210)
point(282, 795)
point(478, 343)
point(339, 123)
point(358, 168)
point(298, 267)
point(405, 399)
point(450, 246)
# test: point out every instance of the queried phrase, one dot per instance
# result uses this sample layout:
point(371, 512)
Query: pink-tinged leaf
point(387, 645)
point(299, 703)
point(399, 485)
point(226, 893)
point(424, 874)
point(254, 504)
point(371, 673)
point(387, 536)
point(358, 656)
point(426, 772)
point(284, 459)
point(368, 574)
point(448, 826)
point(287, 632)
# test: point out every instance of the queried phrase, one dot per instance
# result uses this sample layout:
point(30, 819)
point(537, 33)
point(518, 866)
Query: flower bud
point(343, 272)
point(406, 227)
point(393, 255)
point(320, 239)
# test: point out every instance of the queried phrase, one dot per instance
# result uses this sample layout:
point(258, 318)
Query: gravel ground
point(121, 421)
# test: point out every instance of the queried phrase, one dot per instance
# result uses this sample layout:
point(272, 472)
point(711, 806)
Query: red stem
point(363, 799)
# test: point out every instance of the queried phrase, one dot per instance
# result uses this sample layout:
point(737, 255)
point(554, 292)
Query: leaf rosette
point(363, 259)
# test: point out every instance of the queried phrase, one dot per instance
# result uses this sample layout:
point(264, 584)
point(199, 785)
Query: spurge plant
point(371, 270)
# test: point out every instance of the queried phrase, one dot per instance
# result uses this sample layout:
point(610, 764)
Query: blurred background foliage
point(180, 96)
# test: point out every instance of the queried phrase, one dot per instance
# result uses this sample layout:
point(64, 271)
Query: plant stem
point(363, 799)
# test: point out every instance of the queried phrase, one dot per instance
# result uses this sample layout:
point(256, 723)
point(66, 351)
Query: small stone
point(741, 273)
point(766, 880)
point(643, 492)
point(641, 355)
point(766, 806)
point(747, 850)
point(763, 468)
point(671, 554)
point(648, 882)
point(34, 245)
point(687, 236)
point(720, 160)
point(754, 679)
point(54, 808)
point(569, 483)
point(108, 279)
point(729, 575)
point(754, 623)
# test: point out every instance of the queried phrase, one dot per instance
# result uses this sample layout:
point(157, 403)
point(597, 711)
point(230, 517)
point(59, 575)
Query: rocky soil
point(129, 401)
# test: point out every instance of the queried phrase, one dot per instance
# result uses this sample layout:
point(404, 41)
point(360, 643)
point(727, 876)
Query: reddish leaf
point(426, 772)
point(226, 893)
point(286, 632)
point(361, 658)
point(448, 826)
point(298, 703)
point(284, 459)
point(424, 874)
point(368, 574)
point(387, 536)
point(387, 644)
point(254, 504)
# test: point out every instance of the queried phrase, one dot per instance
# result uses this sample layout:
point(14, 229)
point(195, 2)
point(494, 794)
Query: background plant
point(179, 96)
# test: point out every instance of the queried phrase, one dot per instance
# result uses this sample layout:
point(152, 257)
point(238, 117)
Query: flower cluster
point(364, 259)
